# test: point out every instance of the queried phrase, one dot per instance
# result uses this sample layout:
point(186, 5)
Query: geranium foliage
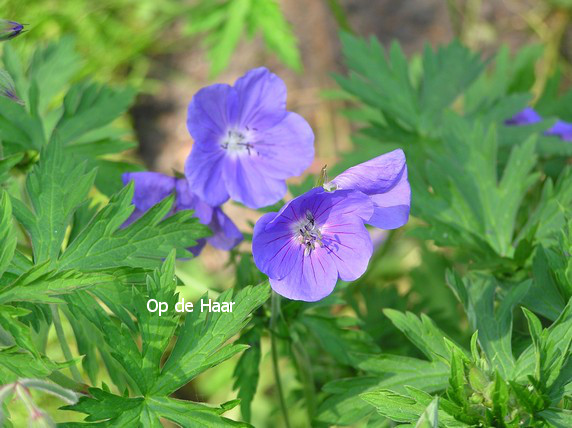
point(457, 313)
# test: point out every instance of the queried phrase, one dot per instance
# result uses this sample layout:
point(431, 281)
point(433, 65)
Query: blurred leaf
point(544, 296)
point(6, 164)
point(15, 364)
point(223, 42)
point(385, 82)
point(338, 336)
point(51, 69)
point(8, 239)
point(247, 371)
point(469, 202)
point(343, 406)
point(558, 418)
point(18, 128)
point(430, 417)
point(276, 31)
point(88, 106)
point(109, 174)
point(224, 22)
point(494, 324)
point(422, 332)
point(19, 332)
point(446, 74)
point(405, 408)
point(509, 74)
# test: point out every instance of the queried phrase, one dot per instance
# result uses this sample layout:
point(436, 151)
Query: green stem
point(455, 17)
point(340, 16)
point(387, 243)
point(275, 312)
point(64, 344)
point(303, 366)
point(66, 382)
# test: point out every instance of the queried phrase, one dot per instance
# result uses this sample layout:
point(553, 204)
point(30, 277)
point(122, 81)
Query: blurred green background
point(168, 49)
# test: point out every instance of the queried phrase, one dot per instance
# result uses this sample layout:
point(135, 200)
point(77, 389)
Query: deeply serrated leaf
point(55, 188)
point(8, 239)
point(200, 342)
point(103, 243)
point(247, 371)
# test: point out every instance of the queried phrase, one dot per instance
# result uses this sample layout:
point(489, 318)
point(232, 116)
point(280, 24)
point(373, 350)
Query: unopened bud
point(7, 87)
point(9, 29)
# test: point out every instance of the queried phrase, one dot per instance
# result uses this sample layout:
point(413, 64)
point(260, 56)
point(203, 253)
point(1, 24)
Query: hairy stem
point(275, 313)
point(64, 344)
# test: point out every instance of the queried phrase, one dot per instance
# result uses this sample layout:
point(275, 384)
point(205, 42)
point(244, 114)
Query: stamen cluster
point(309, 234)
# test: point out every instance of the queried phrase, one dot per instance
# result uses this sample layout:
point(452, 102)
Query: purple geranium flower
point(529, 116)
point(315, 239)
point(384, 180)
point(153, 187)
point(561, 129)
point(9, 29)
point(246, 144)
point(320, 236)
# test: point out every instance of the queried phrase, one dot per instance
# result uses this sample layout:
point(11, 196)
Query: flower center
point(309, 234)
point(238, 142)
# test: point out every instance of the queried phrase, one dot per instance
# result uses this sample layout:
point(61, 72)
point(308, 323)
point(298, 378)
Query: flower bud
point(9, 29)
point(7, 87)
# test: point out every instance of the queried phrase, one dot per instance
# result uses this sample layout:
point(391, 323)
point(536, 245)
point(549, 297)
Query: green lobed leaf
point(200, 345)
point(8, 239)
point(267, 17)
point(42, 284)
point(406, 408)
point(447, 73)
point(200, 342)
point(547, 358)
point(56, 186)
point(103, 243)
point(226, 39)
point(247, 371)
point(338, 336)
point(18, 332)
point(88, 107)
point(430, 417)
point(15, 364)
point(544, 296)
point(477, 293)
point(423, 332)
point(343, 406)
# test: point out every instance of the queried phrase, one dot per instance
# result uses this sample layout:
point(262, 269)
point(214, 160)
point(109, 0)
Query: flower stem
point(340, 16)
point(275, 312)
point(303, 365)
point(64, 344)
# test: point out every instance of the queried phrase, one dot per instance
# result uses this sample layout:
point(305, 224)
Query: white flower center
point(238, 143)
